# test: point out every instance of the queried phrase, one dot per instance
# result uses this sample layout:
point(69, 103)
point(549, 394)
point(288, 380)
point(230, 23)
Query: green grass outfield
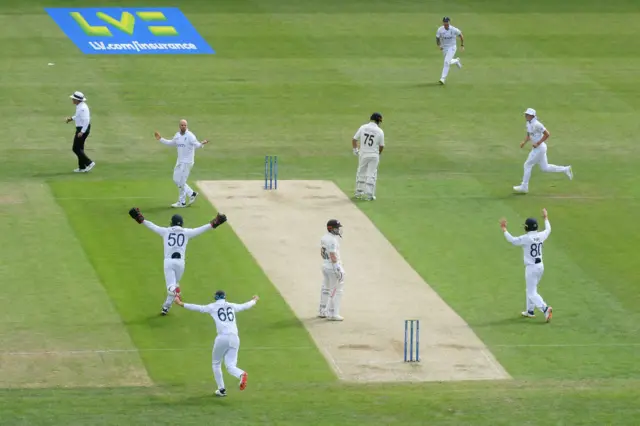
point(80, 339)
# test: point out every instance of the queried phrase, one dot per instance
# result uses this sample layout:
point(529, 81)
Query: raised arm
point(244, 306)
point(215, 222)
point(171, 142)
point(547, 226)
point(134, 212)
point(516, 241)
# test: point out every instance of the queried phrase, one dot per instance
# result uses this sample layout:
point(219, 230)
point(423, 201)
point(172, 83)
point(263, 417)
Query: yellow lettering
point(88, 28)
point(125, 24)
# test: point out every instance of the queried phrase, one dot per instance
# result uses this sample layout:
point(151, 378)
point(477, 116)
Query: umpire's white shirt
point(82, 117)
point(186, 144)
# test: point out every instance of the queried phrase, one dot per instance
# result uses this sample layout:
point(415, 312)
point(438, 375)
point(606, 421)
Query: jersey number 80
point(536, 250)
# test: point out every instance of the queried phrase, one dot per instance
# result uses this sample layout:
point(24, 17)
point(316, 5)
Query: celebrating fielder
point(175, 239)
point(538, 135)
point(446, 39)
point(332, 272)
point(227, 342)
point(531, 243)
point(368, 143)
point(186, 143)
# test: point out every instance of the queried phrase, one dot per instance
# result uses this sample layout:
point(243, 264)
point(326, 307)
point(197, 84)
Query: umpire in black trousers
point(83, 128)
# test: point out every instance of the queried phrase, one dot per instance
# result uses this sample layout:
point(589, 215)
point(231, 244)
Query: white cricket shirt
point(535, 130)
point(329, 244)
point(187, 145)
point(448, 37)
point(531, 243)
point(223, 314)
point(175, 238)
point(82, 117)
point(371, 137)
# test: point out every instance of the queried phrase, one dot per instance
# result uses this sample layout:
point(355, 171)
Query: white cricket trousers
point(331, 294)
point(448, 53)
point(367, 174)
point(180, 176)
point(539, 156)
point(532, 276)
point(225, 348)
point(173, 270)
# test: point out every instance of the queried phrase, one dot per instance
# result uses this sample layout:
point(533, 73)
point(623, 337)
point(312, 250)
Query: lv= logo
point(126, 23)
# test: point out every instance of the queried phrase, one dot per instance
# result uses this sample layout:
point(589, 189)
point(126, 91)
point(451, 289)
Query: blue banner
point(130, 30)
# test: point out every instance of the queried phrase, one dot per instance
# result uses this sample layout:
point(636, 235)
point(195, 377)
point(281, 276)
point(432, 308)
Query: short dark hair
point(446, 19)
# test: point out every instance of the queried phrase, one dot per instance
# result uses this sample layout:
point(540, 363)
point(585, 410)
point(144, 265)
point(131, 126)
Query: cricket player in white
point(531, 244)
point(446, 39)
point(227, 342)
point(332, 272)
point(538, 135)
point(186, 143)
point(368, 144)
point(175, 239)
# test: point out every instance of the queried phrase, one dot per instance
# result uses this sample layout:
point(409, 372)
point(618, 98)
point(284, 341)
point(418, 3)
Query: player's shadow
point(428, 84)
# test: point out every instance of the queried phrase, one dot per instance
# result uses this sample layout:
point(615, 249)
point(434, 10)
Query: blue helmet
point(220, 295)
point(530, 224)
point(176, 220)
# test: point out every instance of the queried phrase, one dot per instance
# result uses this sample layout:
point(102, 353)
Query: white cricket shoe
point(521, 189)
point(322, 314)
point(458, 63)
point(221, 393)
point(528, 314)
point(441, 81)
point(179, 205)
point(569, 173)
point(335, 318)
point(79, 170)
point(90, 166)
point(192, 197)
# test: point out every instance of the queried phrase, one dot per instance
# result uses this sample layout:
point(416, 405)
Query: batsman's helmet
point(334, 226)
point(377, 117)
point(176, 220)
point(220, 295)
point(530, 224)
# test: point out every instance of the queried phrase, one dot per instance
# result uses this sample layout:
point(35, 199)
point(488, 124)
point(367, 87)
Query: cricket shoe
point(179, 205)
point(322, 314)
point(243, 381)
point(90, 166)
point(336, 318)
point(548, 313)
point(569, 173)
point(528, 314)
point(441, 81)
point(79, 170)
point(192, 197)
point(521, 189)
point(458, 63)
point(165, 311)
point(221, 392)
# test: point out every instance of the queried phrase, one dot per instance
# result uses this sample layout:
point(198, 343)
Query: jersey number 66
point(225, 316)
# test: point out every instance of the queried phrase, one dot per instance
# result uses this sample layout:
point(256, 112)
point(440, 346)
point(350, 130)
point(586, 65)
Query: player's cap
point(78, 96)
point(530, 111)
point(446, 19)
point(376, 116)
point(220, 295)
point(176, 220)
point(531, 224)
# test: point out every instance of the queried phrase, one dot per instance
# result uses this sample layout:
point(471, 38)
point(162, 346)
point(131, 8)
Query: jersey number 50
point(368, 139)
point(225, 316)
point(536, 250)
point(174, 239)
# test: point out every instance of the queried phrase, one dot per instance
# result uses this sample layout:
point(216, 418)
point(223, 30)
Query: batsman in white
point(227, 342)
point(538, 135)
point(332, 272)
point(175, 239)
point(368, 144)
point(187, 143)
point(531, 244)
point(446, 39)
